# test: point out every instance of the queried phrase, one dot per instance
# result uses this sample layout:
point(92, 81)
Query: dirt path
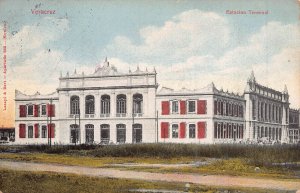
point(213, 180)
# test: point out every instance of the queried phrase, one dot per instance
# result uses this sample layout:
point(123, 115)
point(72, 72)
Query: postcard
point(150, 96)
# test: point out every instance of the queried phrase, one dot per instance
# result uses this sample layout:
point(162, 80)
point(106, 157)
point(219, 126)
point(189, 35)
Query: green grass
point(88, 161)
point(36, 182)
point(236, 159)
point(258, 155)
point(232, 167)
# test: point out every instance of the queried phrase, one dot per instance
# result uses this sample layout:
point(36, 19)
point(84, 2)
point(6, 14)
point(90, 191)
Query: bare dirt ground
point(209, 180)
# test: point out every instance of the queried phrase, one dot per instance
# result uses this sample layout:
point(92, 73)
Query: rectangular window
point(30, 110)
point(30, 131)
point(175, 131)
point(43, 110)
point(230, 109)
point(215, 107)
point(215, 130)
point(192, 131)
point(174, 106)
point(44, 131)
point(253, 109)
point(226, 108)
point(191, 106)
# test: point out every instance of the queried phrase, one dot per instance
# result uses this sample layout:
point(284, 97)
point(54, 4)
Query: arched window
point(105, 105)
point(121, 105)
point(89, 105)
point(74, 105)
point(74, 133)
point(137, 133)
point(121, 133)
point(137, 104)
point(105, 133)
point(89, 133)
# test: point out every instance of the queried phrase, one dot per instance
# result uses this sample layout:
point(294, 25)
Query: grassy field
point(232, 167)
point(36, 182)
point(234, 159)
point(259, 155)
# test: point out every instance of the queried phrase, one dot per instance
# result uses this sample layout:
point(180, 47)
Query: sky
point(190, 43)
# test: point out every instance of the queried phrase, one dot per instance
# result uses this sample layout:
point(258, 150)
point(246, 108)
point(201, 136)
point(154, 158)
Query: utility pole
point(75, 129)
point(47, 131)
point(156, 126)
point(79, 128)
point(132, 113)
point(51, 113)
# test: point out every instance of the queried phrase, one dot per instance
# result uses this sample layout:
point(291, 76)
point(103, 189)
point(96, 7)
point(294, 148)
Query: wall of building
point(204, 116)
point(37, 115)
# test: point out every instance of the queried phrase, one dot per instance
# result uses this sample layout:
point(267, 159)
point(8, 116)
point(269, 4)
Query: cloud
point(187, 34)
point(176, 49)
point(31, 38)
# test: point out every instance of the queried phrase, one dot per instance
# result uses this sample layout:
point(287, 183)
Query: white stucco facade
point(113, 107)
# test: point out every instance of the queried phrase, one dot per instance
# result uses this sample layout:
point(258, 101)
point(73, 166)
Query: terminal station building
point(112, 107)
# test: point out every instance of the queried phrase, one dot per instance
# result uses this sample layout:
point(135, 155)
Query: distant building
point(267, 112)
point(112, 107)
point(294, 126)
point(7, 134)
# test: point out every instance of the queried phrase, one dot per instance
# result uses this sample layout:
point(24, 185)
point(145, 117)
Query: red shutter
point(51, 130)
point(201, 130)
point(182, 130)
point(164, 130)
point(22, 110)
point(36, 130)
point(36, 110)
point(51, 110)
point(22, 131)
point(182, 107)
point(201, 105)
point(165, 108)
point(215, 107)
